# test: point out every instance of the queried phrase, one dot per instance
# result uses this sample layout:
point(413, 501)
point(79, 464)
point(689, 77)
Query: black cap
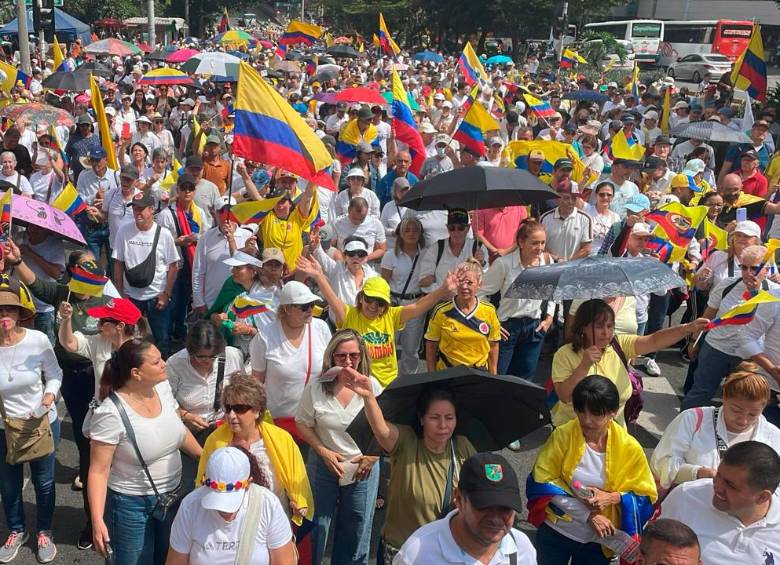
point(653, 162)
point(186, 178)
point(563, 163)
point(749, 154)
point(488, 480)
point(662, 139)
point(143, 200)
point(458, 216)
point(194, 161)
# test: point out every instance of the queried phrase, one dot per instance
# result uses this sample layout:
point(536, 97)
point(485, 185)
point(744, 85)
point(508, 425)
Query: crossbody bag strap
point(719, 442)
point(220, 378)
point(513, 556)
point(2, 409)
point(248, 532)
point(619, 350)
point(409, 278)
point(131, 436)
point(445, 503)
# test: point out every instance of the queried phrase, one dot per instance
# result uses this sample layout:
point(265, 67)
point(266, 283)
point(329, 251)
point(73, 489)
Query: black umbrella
point(587, 95)
point(158, 55)
point(343, 51)
point(493, 410)
point(477, 188)
point(293, 56)
point(325, 76)
point(75, 81)
point(97, 68)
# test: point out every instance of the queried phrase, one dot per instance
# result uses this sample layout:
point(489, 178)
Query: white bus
point(644, 35)
point(726, 37)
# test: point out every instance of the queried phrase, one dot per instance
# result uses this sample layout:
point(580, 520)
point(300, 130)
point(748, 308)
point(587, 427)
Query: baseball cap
point(570, 127)
point(612, 84)
point(696, 107)
point(427, 127)
point(641, 229)
point(637, 203)
point(563, 163)
point(726, 111)
point(129, 172)
point(356, 172)
point(683, 180)
point(651, 115)
point(401, 183)
point(536, 155)
point(628, 119)
point(224, 201)
point(143, 120)
point(273, 254)
point(377, 287)
point(442, 139)
point(186, 178)
point(213, 138)
point(143, 200)
point(119, 309)
point(341, 106)
point(748, 228)
point(364, 147)
point(227, 480)
point(749, 154)
point(694, 167)
point(438, 96)
point(495, 140)
point(489, 480)
point(663, 140)
point(97, 153)
point(365, 113)
point(110, 110)
point(356, 245)
point(84, 119)
point(457, 216)
point(194, 161)
point(239, 259)
point(295, 292)
point(682, 104)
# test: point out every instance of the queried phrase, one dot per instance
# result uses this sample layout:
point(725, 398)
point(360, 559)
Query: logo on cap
point(494, 472)
point(110, 304)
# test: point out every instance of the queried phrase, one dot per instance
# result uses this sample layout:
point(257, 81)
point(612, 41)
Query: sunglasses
point(305, 307)
point(458, 227)
point(341, 357)
point(360, 254)
point(373, 300)
point(237, 408)
point(187, 188)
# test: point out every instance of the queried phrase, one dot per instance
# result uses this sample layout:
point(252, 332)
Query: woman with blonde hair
point(694, 442)
point(345, 481)
point(465, 330)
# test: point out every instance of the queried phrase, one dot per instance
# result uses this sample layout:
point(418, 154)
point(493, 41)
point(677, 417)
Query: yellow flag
point(58, 56)
point(771, 248)
point(172, 177)
point(626, 148)
point(195, 132)
point(105, 131)
point(667, 108)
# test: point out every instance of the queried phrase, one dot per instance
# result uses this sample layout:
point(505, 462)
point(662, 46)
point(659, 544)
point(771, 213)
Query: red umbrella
point(361, 94)
point(144, 47)
point(182, 55)
point(267, 44)
point(109, 23)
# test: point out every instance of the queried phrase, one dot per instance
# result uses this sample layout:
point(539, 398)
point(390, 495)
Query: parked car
point(696, 65)
point(611, 59)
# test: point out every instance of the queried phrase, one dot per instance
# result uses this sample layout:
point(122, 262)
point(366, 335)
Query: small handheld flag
point(470, 65)
point(87, 278)
point(475, 123)
point(6, 214)
point(744, 313)
point(70, 201)
point(539, 107)
point(244, 307)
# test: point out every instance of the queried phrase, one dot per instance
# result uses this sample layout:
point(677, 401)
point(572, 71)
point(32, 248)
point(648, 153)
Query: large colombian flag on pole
point(268, 130)
point(470, 131)
point(301, 32)
point(404, 126)
point(749, 71)
point(385, 39)
point(470, 65)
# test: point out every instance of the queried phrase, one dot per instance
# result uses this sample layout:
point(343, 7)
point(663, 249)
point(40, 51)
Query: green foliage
point(773, 95)
point(598, 45)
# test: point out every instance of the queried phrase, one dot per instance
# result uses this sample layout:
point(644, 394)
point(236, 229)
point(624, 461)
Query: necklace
point(9, 368)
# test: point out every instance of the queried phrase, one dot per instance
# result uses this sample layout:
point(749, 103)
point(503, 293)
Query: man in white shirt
point(334, 122)
point(480, 529)
point(736, 515)
point(569, 229)
point(145, 267)
point(669, 542)
point(359, 223)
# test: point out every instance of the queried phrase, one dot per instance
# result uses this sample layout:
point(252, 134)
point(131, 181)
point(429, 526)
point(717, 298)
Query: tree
point(598, 46)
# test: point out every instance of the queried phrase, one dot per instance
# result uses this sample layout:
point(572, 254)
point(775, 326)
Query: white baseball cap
point(641, 229)
point(355, 245)
point(295, 292)
point(651, 115)
point(227, 480)
point(748, 228)
point(427, 127)
point(239, 259)
point(356, 172)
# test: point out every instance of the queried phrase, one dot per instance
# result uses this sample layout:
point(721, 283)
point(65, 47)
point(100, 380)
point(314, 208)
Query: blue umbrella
point(499, 60)
point(587, 95)
point(240, 54)
point(428, 56)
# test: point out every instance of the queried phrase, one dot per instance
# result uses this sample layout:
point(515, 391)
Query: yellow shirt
point(285, 235)
point(379, 337)
point(772, 172)
point(464, 339)
point(610, 366)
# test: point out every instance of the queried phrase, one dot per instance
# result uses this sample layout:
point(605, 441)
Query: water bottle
point(581, 490)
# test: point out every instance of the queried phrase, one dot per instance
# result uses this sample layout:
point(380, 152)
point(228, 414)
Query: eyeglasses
point(237, 408)
point(341, 357)
point(359, 254)
point(755, 269)
point(305, 307)
point(458, 227)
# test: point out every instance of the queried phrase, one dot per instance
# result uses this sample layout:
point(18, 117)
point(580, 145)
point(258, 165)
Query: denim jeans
point(97, 240)
point(656, 314)
point(519, 354)
point(42, 477)
point(553, 548)
point(136, 537)
point(181, 299)
point(350, 508)
point(712, 366)
point(159, 322)
point(44, 322)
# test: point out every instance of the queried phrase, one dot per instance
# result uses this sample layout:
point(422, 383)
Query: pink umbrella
point(361, 94)
point(266, 44)
point(182, 55)
point(28, 211)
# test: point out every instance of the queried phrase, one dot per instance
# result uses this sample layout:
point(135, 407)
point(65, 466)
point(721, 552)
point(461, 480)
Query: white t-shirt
point(24, 184)
point(97, 349)
point(158, 439)
point(340, 203)
point(401, 265)
point(285, 366)
point(208, 539)
point(369, 229)
point(40, 184)
point(118, 211)
point(133, 247)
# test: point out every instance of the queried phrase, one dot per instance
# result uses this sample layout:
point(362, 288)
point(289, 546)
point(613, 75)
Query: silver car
point(695, 66)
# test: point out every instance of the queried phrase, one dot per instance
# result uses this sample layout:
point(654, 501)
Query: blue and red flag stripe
point(662, 248)
point(249, 310)
point(471, 137)
point(754, 69)
point(406, 131)
point(83, 276)
point(676, 237)
point(471, 75)
point(293, 37)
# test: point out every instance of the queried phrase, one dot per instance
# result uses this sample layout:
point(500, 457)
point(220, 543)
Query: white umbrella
point(329, 67)
point(212, 63)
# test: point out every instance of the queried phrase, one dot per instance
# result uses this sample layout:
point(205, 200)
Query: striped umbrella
point(212, 63)
point(112, 46)
point(182, 55)
point(233, 37)
point(166, 75)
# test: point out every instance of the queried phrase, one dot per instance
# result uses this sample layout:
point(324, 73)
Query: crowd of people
point(211, 383)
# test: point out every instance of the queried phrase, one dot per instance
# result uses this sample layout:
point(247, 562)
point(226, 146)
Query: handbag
point(165, 501)
point(142, 274)
point(635, 403)
point(26, 439)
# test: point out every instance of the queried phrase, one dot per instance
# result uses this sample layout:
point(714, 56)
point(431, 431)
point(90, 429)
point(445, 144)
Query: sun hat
point(14, 293)
point(239, 259)
point(273, 254)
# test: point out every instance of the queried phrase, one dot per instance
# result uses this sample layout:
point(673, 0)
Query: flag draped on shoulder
point(70, 201)
point(476, 122)
point(404, 126)
point(471, 66)
point(106, 140)
point(350, 136)
point(267, 129)
point(301, 32)
point(677, 224)
point(386, 40)
point(749, 72)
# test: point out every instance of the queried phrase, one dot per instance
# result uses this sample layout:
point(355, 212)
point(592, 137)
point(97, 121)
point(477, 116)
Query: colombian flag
point(518, 151)
point(569, 58)
point(662, 248)
point(83, 281)
point(350, 136)
point(70, 201)
point(13, 76)
point(224, 22)
point(714, 238)
point(268, 130)
point(749, 71)
point(172, 176)
point(301, 32)
point(243, 307)
point(404, 126)
point(471, 129)
point(253, 211)
point(59, 58)
point(635, 82)
point(677, 224)
point(626, 147)
point(470, 65)
point(744, 313)
point(538, 107)
point(281, 51)
point(6, 213)
point(385, 39)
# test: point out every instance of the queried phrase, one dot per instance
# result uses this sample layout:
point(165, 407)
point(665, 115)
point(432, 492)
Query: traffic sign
point(57, 3)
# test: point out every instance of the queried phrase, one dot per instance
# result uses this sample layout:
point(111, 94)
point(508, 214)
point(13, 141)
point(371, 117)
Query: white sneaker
point(652, 368)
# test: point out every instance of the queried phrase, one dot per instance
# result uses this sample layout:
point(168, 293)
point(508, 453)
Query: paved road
point(660, 407)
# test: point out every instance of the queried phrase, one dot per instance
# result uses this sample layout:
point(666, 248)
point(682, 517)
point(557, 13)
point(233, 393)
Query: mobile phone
point(109, 555)
point(741, 214)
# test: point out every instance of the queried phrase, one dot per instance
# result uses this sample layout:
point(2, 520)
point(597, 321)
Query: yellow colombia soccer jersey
point(464, 339)
point(285, 235)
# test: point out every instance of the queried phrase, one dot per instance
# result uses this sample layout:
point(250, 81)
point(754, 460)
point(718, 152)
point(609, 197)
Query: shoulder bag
point(142, 274)
point(26, 439)
point(248, 532)
point(635, 403)
point(165, 501)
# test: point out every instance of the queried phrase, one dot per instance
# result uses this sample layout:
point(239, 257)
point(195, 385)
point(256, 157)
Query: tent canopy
point(68, 28)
